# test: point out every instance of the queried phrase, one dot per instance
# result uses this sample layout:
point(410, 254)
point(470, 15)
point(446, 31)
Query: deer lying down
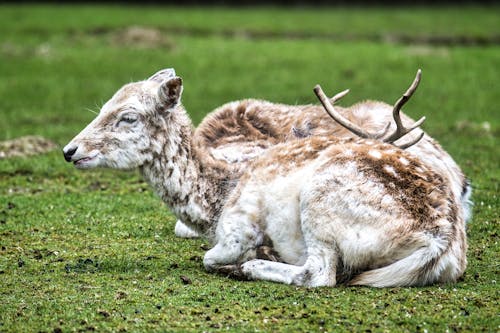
point(353, 210)
point(237, 132)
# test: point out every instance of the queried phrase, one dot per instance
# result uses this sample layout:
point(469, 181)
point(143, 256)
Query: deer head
point(122, 136)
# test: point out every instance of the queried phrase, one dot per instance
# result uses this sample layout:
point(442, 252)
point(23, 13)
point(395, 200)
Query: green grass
point(470, 21)
point(96, 251)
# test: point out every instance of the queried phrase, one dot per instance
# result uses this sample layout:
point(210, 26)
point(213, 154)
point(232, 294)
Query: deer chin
point(87, 162)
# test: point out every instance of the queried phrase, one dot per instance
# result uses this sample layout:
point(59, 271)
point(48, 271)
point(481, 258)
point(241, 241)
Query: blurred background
point(58, 60)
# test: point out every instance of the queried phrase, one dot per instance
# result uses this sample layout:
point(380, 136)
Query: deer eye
point(128, 118)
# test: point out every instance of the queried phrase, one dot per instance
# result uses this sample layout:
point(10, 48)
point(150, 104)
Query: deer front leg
point(238, 236)
point(183, 231)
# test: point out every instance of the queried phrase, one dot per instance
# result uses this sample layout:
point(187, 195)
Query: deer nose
point(68, 153)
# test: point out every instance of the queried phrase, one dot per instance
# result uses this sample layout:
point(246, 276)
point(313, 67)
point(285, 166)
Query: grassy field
point(95, 251)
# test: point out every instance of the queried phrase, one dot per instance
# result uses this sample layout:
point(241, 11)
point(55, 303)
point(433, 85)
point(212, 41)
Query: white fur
point(184, 231)
point(312, 232)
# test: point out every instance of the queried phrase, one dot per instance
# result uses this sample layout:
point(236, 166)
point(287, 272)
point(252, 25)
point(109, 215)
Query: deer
point(356, 210)
point(236, 132)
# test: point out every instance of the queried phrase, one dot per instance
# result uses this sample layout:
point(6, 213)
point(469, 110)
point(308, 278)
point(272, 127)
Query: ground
point(84, 251)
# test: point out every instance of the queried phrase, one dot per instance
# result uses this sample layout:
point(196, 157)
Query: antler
point(338, 96)
point(400, 129)
point(327, 104)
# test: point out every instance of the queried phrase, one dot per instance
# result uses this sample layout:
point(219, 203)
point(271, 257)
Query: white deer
point(353, 210)
point(236, 132)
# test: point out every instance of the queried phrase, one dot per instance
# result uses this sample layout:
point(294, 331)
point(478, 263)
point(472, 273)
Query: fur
point(240, 131)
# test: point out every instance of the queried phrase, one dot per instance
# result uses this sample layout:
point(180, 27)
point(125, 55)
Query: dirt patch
point(475, 129)
point(141, 37)
point(155, 37)
point(428, 50)
point(44, 50)
point(26, 146)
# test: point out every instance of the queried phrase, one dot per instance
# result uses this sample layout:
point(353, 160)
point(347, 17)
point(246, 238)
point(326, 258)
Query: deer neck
point(177, 175)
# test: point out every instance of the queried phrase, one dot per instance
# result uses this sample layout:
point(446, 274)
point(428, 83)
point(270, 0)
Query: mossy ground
point(84, 251)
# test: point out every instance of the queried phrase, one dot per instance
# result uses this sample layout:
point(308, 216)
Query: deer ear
point(163, 75)
point(170, 92)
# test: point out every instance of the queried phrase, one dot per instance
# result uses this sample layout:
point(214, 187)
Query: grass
point(83, 251)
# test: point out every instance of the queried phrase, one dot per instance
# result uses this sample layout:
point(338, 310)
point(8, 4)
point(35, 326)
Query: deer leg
point(238, 237)
point(318, 270)
point(184, 231)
